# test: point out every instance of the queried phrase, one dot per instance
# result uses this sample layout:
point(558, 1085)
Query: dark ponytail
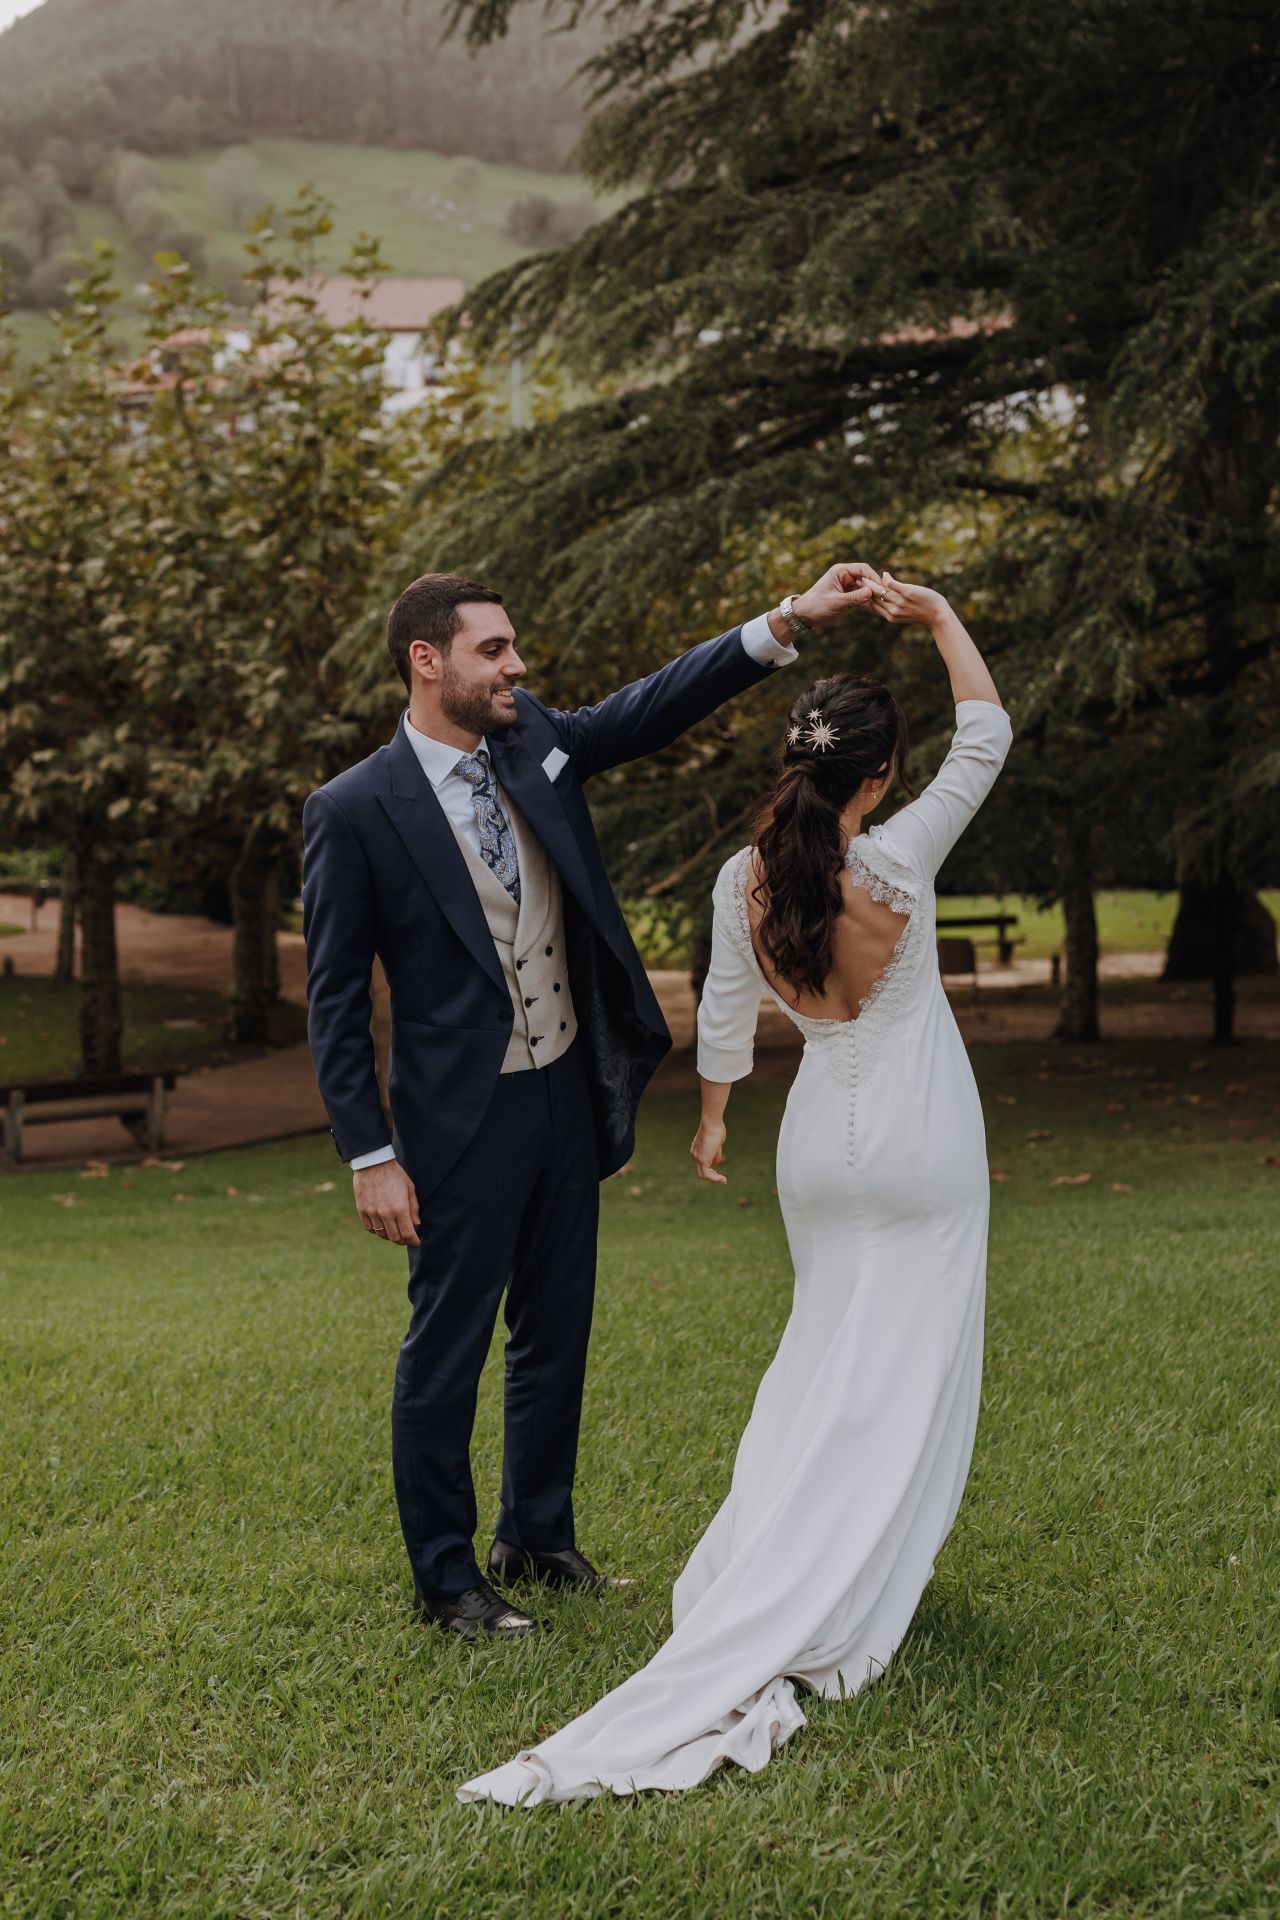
point(840, 732)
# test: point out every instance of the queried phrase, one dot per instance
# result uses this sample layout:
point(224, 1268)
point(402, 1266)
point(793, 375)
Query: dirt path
point(274, 1096)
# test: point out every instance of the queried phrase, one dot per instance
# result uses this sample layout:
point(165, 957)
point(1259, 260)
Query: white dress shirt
point(439, 762)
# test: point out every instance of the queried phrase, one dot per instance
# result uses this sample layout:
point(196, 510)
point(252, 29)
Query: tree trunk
point(1078, 1009)
point(64, 967)
point(100, 1021)
point(1202, 915)
point(255, 908)
point(1224, 958)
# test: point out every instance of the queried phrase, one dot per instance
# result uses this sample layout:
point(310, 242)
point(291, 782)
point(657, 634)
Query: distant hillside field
point(434, 213)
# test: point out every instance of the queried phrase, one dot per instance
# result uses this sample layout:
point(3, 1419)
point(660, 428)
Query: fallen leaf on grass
point(1034, 1139)
point(94, 1170)
point(128, 1185)
point(1269, 1160)
point(232, 1193)
point(1071, 1180)
point(661, 1285)
point(326, 1186)
point(744, 1200)
point(636, 1193)
point(166, 1166)
point(67, 1199)
point(1007, 1099)
point(998, 1173)
point(1115, 1106)
point(1250, 1253)
point(1198, 1066)
point(182, 1196)
point(1120, 1186)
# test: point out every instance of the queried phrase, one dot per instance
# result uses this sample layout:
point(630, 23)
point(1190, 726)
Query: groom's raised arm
point(651, 713)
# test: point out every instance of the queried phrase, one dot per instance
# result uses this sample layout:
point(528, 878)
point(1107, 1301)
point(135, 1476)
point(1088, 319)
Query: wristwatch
point(787, 608)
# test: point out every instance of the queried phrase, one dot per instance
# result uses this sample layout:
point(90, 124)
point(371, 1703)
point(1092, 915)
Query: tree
point(284, 485)
point(76, 712)
point(903, 259)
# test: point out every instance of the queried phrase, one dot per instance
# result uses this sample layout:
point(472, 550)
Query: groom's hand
point(387, 1203)
point(842, 588)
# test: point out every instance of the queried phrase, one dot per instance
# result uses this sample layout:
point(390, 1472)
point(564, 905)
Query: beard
point(471, 705)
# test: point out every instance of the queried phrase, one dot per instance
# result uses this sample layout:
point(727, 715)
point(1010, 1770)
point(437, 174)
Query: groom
point(524, 1031)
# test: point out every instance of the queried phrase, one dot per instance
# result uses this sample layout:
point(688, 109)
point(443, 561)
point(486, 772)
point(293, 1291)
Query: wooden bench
point(137, 1099)
point(1002, 940)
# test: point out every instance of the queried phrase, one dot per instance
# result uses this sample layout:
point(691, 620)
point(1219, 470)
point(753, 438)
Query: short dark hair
point(428, 610)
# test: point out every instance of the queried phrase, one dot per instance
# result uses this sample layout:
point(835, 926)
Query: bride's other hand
point(903, 605)
point(708, 1152)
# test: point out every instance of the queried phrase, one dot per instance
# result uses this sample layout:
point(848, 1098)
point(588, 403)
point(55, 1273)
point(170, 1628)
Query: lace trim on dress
point(849, 1048)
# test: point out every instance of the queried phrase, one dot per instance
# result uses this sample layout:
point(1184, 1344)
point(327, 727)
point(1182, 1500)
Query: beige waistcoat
point(531, 947)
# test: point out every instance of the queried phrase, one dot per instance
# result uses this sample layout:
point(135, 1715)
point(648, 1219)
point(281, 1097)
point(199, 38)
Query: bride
point(852, 1466)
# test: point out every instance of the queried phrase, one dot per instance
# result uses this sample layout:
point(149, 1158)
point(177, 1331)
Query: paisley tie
point(497, 842)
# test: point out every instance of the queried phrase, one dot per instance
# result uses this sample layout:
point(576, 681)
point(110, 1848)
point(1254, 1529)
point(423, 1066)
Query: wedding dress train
point(851, 1469)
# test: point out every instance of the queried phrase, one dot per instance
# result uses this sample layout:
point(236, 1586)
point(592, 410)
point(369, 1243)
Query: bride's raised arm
point(923, 833)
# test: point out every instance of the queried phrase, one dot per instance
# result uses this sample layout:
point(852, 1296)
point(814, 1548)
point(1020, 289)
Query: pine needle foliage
point(997, 284)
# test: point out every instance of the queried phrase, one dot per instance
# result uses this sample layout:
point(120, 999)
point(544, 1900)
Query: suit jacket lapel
point(419, 819)
point(519, 774)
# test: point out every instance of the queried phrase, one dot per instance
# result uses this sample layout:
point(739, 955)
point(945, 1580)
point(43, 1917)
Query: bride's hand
point(907, 606)
point(708, 1152)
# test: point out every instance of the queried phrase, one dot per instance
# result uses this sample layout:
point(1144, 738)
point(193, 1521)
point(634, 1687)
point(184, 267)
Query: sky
point(10, 10)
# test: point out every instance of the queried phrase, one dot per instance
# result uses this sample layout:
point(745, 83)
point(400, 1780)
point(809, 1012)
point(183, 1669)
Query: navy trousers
point(519, 1212)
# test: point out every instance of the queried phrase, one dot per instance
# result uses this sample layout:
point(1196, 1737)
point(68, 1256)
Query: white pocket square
point(553, 762)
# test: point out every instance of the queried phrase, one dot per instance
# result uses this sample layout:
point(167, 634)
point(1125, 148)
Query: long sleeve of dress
point(922, 834)
point(730, 1002)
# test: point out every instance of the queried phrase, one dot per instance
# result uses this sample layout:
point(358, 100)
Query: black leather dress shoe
point(478, 1610)
point(569, 1568)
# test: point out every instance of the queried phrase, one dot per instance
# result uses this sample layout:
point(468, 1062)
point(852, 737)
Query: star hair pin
point(822, 735)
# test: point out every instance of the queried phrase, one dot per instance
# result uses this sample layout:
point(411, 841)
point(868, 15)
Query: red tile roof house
point(400, 307)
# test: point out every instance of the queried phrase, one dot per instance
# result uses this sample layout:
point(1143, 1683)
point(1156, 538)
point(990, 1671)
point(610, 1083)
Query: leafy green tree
point(894, 262)
point(78, 689)
point(285, 485)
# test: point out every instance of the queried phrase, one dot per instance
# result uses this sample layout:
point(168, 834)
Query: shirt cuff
point(762, 646)
point(374, 1159)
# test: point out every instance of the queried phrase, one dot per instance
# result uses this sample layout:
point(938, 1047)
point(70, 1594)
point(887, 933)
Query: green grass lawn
point(163, 1027)
point(217, 1702)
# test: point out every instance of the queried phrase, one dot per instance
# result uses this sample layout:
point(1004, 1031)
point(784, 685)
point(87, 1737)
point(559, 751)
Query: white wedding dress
point(851, 1468)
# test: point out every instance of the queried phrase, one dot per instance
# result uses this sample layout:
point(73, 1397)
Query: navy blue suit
point(506, 1167)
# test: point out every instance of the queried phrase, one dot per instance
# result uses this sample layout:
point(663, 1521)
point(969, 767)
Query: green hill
point(434, 213)
point(165, 124)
